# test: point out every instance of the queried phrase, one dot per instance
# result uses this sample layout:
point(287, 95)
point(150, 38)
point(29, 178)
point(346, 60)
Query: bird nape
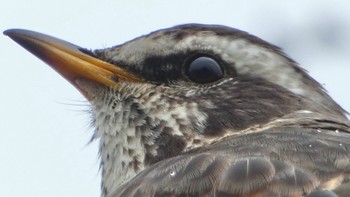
point(205, 110)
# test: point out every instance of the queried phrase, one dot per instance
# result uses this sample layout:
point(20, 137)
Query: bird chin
point(89, 88)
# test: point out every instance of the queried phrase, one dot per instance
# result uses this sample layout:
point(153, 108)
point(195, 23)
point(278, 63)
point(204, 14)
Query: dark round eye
point(204, 70)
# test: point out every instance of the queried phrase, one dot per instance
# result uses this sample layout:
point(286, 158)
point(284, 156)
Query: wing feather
point(280, 163)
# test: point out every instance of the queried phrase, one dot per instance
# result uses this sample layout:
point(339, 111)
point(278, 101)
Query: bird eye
point(204, 70)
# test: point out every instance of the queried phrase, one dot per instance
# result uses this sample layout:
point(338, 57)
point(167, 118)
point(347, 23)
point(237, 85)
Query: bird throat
point(139, 130)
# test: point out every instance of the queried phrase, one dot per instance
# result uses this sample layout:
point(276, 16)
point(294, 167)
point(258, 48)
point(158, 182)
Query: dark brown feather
point(277, 162)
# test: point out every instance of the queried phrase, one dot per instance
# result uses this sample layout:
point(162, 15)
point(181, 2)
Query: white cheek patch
point(256, 61)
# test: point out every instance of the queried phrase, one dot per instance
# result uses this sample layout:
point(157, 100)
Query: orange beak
point(69, 60)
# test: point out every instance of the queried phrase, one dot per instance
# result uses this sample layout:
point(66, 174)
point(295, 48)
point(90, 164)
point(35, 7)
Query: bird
point(204, 110)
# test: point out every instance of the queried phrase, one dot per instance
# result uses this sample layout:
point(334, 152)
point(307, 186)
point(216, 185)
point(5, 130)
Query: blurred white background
point(44, 128)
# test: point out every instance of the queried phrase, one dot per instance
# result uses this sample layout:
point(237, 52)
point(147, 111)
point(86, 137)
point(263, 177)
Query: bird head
point(181, 88)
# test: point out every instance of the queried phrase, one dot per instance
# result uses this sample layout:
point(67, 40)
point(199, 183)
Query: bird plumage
point(258, 125)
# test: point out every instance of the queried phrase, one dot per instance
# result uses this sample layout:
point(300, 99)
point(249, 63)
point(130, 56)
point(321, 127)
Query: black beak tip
point(10, 32)
point(20, 33)
point(15, 34)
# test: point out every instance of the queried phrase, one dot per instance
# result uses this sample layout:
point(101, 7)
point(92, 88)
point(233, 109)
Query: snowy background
point(44, 130)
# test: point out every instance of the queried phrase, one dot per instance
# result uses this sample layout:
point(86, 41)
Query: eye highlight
point(204, 69)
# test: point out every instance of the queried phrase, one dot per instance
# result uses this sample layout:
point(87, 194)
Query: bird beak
point(70, 60)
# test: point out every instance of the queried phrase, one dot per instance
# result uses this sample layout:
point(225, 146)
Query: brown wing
point(284, 162)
